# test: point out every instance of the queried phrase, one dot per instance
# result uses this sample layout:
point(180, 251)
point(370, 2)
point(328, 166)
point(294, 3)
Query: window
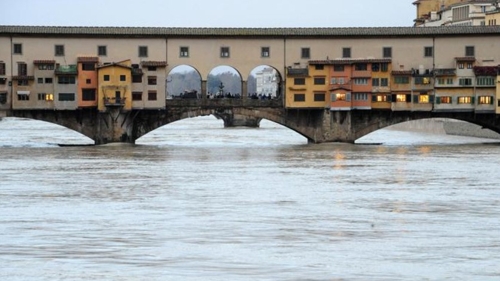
point(346, 52)
point(469, 65)
point(387, 52)
point(3, 81)
point(88, 94)
point(486, 81)
point(469, 51)
point(59, 50)
point(88, 81)
point(339, 97)
point(88, 66)
point(224, 52)
point(401, 80)
point(299, 97)
point(44, 66)
point(360, 81)
point(102, 51)
point(360, 67)
point(305, 53)
point(319, 67)
point(143, 51)
point(2, 68)
point(106, 77)
point(136, 78)
point(299, 81)
point(338, 68)
point(422, 80)
point(428, 52)
point(66, 80)
point(152, 95)
point(444, 100)
point(375, 67)
point(465, 81)
point(18, 49)
point(319, 80)
point(423, 98)
point(381, 98)
point(319, 96)
point(384, 82)
point(400, 98)
point(460, 65)
point(485, 100)
point(48, 80)
point(384, 67)
point(45, 97)
point(22, 69)
point(151, 80)
point(449, 81)
point(23, 97)
point(464, 100)
point(136, 96)
point(265, 52)
point(66, 97)
point(40, 80)
point(3, 98)
point(184, 52)
point(361, 96)
point(152, 68)
point(123, 78)
point(22, 82)
point(375, 82)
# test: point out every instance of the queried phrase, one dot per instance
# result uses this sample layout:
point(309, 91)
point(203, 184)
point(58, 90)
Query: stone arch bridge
point(317, 125)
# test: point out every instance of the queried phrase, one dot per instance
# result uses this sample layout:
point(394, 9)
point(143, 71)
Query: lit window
point(400, 98)
point(445, 99)
point(340, 97)
point(485, 100)
point(423, 99)
point(464, 100)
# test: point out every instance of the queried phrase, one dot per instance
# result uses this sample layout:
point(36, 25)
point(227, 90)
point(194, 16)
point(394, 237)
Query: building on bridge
point(99, 70)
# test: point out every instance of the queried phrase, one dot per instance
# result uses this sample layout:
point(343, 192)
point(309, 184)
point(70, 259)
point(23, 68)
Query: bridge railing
point(224, 103)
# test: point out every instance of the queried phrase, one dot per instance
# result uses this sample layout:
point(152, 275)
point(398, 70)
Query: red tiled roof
point(465, 59)
point(88, 59)
point(44, 61)
point(154, 63)
point(348, 61)
point(23, 77)
point(401, 72)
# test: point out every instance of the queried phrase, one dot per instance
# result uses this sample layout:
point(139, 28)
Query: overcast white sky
point(206, 13)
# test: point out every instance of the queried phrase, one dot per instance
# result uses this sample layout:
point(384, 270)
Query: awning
point(23, 92)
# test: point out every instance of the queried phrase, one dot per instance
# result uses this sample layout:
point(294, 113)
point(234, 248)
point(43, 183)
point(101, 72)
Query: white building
point(466, 13)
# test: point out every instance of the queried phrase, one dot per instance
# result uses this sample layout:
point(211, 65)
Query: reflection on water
point(195, 201)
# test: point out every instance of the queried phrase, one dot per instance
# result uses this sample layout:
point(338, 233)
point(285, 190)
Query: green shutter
point(333, 97)
point(374, 98)
point(438, 100)
point(473, 100)
point(415, 99)
point(431, 98)
point(389, 98)
point(408, 97)
point(394, 98)
point(348, 97)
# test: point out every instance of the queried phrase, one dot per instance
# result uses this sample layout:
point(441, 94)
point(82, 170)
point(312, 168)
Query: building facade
point(402, 68)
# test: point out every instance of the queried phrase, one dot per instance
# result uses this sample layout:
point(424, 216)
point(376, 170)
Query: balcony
point(114, 102)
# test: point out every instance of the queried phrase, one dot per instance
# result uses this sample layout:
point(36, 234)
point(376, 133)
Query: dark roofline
point(162, 32)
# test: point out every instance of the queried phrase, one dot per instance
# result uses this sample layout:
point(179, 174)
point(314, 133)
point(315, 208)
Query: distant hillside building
point(455, 12)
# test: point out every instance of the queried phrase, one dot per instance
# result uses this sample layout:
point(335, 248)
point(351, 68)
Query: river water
point(195, 201)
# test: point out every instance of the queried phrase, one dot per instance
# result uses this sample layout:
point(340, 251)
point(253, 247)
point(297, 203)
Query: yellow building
point(307, 87)
point(115, 84)
point(492, 18)
point(425, 7)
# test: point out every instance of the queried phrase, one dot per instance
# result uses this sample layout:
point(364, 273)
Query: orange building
point(87, 81)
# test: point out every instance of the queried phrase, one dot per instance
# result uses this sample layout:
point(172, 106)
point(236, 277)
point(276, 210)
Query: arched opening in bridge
point(22, 132)
point(264, 82)
point(224, 82)
point(183, 81)
point(207, 131)
point(438, 131)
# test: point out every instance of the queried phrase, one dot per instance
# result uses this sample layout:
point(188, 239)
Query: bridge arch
point(224, 81)
point(264, 81)
point(183, 79)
